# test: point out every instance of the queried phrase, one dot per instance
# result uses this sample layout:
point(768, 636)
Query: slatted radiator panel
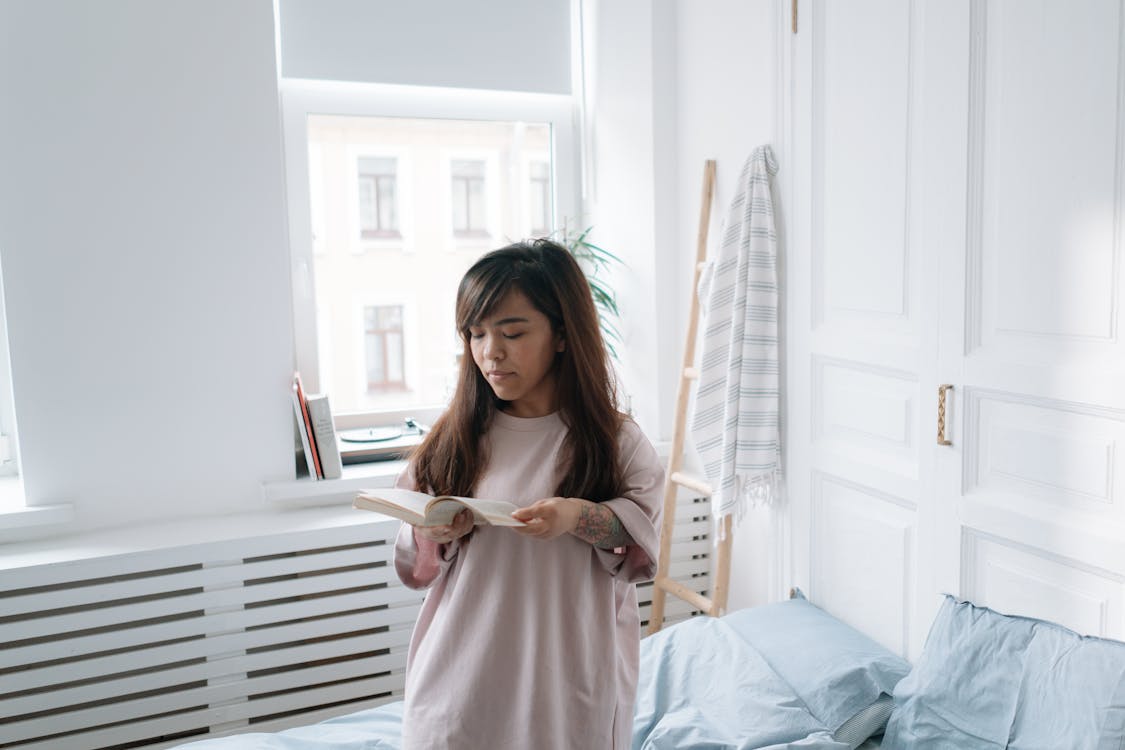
point(158, 648)
point(690, 561)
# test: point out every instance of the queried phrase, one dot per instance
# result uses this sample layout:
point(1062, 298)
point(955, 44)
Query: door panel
point(1048, 177)
point(868, 414)
point(867, 538)
point(1012, 578)
point(863, 72)
point(1058, 456)
point(871, 338)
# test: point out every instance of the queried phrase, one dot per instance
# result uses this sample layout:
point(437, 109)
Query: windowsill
point(18, 520)
point(95, 544)
point(309, 493)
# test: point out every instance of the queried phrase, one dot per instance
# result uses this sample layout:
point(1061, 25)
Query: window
point(539, 197)
point(378, 212)
point(468, 198)
point(383, 343)
point(406, 187)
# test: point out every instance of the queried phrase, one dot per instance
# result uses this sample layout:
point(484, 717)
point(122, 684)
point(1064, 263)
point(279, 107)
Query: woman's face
point(514, 348)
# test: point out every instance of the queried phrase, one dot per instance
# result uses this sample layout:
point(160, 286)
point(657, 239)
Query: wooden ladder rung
point(692, 483)
point(694, 598)
point(690, 373)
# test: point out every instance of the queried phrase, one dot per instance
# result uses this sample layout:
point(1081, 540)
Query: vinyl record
point(370, 434)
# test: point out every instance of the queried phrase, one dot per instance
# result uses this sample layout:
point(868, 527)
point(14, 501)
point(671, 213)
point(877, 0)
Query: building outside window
point(412, 247)
point(470, 209)
point(383, 332)
point(447, 175)
point(378, 209)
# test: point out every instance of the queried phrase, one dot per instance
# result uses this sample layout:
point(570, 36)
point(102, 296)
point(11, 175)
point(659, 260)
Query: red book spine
point(308, 424)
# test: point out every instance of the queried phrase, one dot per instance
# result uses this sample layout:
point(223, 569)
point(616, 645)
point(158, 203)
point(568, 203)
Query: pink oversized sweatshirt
point(525, 643)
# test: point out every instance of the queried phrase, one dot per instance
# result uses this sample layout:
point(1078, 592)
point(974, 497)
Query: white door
point(861, 321)
point(957, 217)
point(1029, 226)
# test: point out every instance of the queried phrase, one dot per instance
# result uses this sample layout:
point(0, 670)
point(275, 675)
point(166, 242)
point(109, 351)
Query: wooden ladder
point(675, 478)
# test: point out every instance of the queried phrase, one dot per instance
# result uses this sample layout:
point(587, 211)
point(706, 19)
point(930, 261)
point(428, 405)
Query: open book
point(421, 509)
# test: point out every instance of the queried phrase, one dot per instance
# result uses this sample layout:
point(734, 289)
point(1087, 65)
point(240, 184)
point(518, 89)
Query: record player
point(385, 443)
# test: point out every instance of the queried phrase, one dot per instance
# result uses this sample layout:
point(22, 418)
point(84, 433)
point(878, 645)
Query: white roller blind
point(508, 45)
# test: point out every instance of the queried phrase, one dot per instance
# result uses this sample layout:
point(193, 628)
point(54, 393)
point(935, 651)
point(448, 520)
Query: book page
point(421, 509)
point(494, 512)
point(406, 505)
point(443, 510)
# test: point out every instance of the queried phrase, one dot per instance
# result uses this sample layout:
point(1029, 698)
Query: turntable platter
point(370, 434)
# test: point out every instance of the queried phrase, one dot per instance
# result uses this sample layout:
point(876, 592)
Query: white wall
point(145, 260)
point(622, 198)
point(726, 84)
point(677, 82)
point(142, 232)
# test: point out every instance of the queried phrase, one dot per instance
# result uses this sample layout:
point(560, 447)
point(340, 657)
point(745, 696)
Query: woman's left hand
point(547, 519)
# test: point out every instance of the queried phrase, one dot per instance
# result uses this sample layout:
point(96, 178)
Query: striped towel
point(735, 424)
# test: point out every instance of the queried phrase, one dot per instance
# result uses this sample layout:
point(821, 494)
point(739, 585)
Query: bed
point(789, 675)
point(765, 678)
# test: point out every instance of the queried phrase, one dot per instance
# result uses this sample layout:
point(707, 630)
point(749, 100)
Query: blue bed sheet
point(373, 729)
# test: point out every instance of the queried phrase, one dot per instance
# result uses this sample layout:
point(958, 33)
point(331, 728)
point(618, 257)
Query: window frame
point(9, 445)
point(302, 97)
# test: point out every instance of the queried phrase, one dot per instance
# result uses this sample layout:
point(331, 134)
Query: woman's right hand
point(462, 525)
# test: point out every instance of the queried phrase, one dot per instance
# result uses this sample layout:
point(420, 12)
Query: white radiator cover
point(156, 648)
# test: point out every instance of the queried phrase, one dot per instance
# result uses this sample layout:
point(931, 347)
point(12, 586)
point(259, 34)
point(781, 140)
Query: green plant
point(595, 261)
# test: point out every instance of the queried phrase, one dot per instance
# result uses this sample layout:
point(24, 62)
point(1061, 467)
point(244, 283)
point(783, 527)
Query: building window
point(469, 208)
point(383, 337)
point(378, 207)
point(539, 197)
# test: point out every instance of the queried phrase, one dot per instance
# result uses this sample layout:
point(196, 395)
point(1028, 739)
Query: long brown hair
point(451, 459)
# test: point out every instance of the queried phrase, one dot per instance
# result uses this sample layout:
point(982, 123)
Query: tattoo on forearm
point(601, 527)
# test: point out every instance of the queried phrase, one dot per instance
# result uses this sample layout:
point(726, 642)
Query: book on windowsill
point(324, 433)
point(420, 509)
point(304, 427)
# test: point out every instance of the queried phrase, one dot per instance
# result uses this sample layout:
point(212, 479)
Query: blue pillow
point(1073, 692)
point(837, 671)
point(702, 686)
point(986, 680)
point(963, 691)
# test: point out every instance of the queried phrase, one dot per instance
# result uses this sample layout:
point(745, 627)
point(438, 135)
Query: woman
point(529, 637)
